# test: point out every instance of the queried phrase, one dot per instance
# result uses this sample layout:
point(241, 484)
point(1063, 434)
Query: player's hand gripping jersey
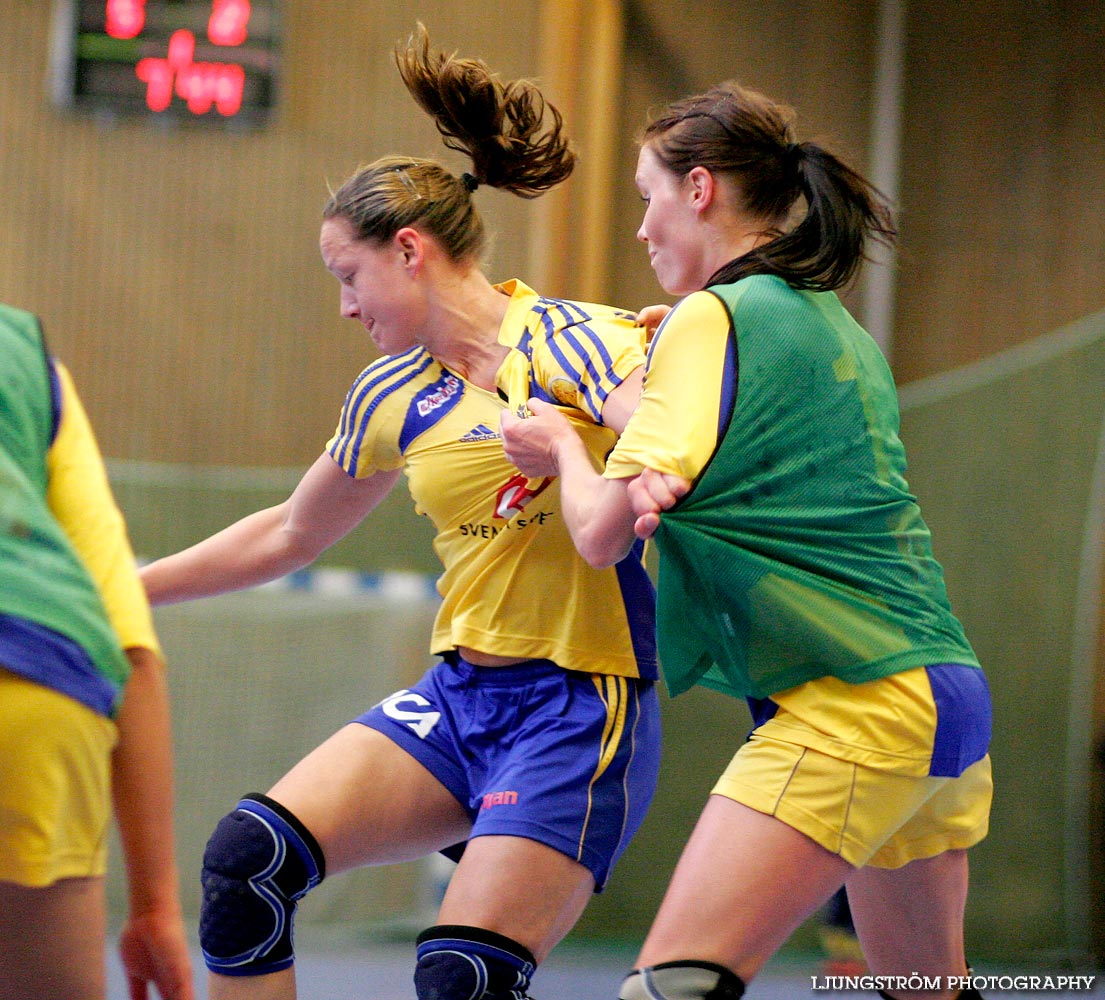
point(513, 583)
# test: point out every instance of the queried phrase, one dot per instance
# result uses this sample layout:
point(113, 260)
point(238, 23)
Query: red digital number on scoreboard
point(202, 85)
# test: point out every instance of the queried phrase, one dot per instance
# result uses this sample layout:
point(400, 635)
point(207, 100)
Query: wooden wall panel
point(815, 55)
point(1003, 222)
point(177, 271)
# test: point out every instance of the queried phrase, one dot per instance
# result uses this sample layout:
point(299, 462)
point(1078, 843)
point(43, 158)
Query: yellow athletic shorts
point(870, 804)
point(55, 785)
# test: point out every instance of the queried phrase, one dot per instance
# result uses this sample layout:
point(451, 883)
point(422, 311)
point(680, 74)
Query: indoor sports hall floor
point(333, 970)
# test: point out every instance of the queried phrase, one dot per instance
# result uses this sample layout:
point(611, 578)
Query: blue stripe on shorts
point(964, 718)
point(565, 758)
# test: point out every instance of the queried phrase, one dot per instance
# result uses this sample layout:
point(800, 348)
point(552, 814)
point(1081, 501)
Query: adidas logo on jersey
point(481, 432)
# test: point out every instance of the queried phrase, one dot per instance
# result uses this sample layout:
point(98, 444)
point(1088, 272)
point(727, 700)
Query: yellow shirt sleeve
point(81, 499)
point(675, 427)
point(575, 353)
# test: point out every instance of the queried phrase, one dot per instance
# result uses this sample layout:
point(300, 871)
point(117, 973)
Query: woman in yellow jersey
point(531, 750)
point(83, 705)
point(795, 568)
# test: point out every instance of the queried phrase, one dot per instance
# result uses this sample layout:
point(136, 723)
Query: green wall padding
point(1006, 457)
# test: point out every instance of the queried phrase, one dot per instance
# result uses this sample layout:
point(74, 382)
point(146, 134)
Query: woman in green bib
point(795, 571)
point(85, 734)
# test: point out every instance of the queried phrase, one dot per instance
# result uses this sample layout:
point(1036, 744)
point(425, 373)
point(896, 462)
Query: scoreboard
point(213, 62)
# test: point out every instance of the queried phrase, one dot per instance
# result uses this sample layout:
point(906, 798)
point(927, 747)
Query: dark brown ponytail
point(514, 138)
point(737, 132)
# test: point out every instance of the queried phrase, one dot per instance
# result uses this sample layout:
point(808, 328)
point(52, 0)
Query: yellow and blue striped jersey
point(512, 582)
point(569, 353)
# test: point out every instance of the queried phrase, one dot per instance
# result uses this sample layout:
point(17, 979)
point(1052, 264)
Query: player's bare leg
point(910, 919)
point(366, 801)
point(745, 881)
point(525, 890)
point(52, 940)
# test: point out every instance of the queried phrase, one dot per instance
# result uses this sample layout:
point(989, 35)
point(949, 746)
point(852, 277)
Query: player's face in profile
point(373, 284)
point(667, 227)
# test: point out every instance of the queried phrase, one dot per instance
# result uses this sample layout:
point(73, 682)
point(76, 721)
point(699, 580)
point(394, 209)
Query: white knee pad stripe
point(241, 857)
point(262, 887)
point(470, 963)
point(478, 969)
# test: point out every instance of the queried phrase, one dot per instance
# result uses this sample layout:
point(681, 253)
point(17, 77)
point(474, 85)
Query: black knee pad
point(259, 861)
point(682, 981)
point(456, 962)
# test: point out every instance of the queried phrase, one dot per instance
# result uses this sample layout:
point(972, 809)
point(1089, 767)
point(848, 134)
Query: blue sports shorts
point(565, 758)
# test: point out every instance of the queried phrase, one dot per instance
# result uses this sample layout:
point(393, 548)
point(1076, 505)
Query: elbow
point(598, 558)
point(602, 549)
point(296, 551)
point(145, 661)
